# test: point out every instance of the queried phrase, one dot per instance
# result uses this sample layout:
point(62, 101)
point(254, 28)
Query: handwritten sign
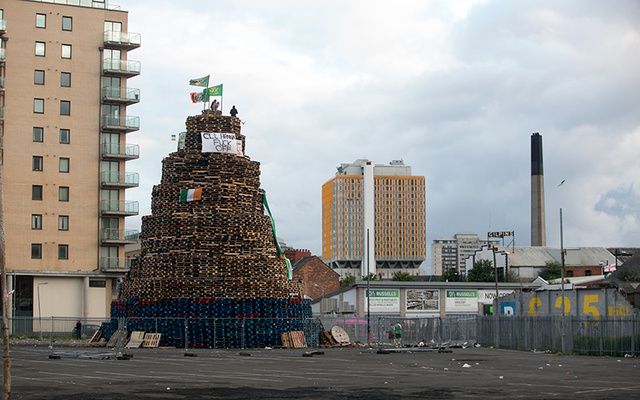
point(220, 142)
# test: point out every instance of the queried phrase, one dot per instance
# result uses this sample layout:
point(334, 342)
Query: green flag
point(204, 81)
point(214, 90)
point(279, 251)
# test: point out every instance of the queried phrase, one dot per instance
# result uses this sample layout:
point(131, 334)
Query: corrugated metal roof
point(539, 256)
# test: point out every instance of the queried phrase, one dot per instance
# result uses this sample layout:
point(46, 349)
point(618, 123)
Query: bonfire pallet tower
point(210, 262)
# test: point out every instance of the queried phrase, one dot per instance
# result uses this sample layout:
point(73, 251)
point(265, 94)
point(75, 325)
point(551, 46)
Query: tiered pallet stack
point(213, 258)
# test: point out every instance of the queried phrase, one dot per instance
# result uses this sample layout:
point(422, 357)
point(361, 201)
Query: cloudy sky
point(453, 88)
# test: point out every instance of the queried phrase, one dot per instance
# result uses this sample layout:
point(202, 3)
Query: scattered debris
point(466, 365)
point(244, 353)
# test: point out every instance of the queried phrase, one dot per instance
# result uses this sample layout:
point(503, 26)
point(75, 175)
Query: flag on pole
point(197, 97)
point(187, 195)
point(214, 90)
point(204, 81)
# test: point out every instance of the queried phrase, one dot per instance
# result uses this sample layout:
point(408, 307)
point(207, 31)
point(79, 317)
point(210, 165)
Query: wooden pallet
point(151, 340)
point(293, 340)
point(136, 340)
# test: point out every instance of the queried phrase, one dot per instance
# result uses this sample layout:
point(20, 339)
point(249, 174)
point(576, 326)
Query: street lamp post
point(40, 309)
point(562, 273)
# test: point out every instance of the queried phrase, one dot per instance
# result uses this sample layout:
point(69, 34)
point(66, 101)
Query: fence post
point(214, 333)
point(242, 344)
point(156, 324)
point(601, 335)
point(186, 337)
point(51, 336)
point(633, 334)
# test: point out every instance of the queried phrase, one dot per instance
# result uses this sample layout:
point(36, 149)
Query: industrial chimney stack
point(538, 230)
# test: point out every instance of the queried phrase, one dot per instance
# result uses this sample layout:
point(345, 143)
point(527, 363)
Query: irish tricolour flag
point(190, 194)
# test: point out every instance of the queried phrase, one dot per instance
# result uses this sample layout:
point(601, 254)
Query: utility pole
point(562, 322)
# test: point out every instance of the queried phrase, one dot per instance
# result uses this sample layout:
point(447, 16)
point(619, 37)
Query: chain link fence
point(590, 336)
point(614, 336)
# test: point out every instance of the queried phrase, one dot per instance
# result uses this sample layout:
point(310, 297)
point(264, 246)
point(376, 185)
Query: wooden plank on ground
point(136, 339)
point(151, 340)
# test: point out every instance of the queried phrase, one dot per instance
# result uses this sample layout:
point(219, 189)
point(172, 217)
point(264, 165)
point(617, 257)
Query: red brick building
point(316, 276)
point(295, 255)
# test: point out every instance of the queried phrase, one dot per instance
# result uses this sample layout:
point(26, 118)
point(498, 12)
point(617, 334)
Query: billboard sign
point(423, 300)
point(383, 300)
point(461, 300)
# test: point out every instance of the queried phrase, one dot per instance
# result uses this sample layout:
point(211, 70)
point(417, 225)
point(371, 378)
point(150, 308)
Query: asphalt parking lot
point(337, 374)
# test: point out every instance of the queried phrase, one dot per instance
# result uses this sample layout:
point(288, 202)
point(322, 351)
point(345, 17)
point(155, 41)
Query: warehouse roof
point(531, 256)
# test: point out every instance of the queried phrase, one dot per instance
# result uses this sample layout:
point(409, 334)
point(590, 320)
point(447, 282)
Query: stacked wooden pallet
point(220, 247)
point(293, 340)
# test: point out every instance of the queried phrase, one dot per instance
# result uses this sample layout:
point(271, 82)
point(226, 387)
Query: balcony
point(116, 180)
point(120, 96)
point(84, 3)
point(121, 40)
point(122, 209)
point(117, 152)
point(1, 84)
point(118, 236)
point(121, 124)
point(114, 264)
point(2, 56)
point(126, 68)
point(3, 26)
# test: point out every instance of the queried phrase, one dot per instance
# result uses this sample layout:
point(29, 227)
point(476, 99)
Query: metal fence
point(590, 336)
point(580, 335)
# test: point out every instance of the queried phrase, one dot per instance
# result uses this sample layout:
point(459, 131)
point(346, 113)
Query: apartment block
point(453, 253)
point(65, 127)
point(374, 219)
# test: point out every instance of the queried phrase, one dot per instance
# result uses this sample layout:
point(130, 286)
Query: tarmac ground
point(472, 373)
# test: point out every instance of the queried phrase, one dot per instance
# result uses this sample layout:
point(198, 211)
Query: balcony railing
point(85, 3)
point(128, 123)
point(126, 207)
point(114, 263)
point(1, 82)
point(3, 25)
point(128, 95)
point(2, 56)
point(124, 39)
point(125, 67)
point(115, 179)
point(130, 151)
point(115, 234)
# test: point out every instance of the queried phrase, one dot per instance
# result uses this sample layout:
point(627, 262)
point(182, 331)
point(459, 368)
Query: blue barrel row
point(220, 323)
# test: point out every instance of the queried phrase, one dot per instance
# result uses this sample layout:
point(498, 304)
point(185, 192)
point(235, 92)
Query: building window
point(65, 107)
point(98, 283)
point(63, 252)
point(38, 134)
point(36, 221)
point(64, 164)
point(38, 77)
point(67, 23)
point(36, 192)
point(41, 21)
point(36, 250)
point(63, 222)
point(65, 79)
point(112, 26)
point(66, 51)
point(41, 49)
point(36, 163)
point(65, 136)
point(63, 193)
point(38, 106)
